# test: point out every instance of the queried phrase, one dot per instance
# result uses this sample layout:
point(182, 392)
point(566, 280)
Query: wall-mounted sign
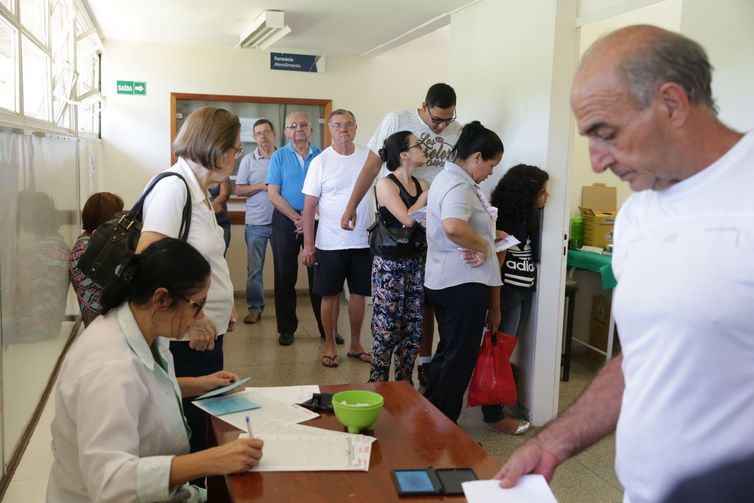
point(297, 62)
point(131, 87)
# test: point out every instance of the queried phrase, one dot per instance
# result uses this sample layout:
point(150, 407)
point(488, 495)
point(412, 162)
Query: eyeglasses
point(439, 120)
point(345, 125)
point(417, 145)
point(239, 152)
point(297, 125)
point(198, 306)
point(263, 133)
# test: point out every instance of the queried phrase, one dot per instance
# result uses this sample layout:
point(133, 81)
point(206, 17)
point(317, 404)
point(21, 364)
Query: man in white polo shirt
point(338, 255)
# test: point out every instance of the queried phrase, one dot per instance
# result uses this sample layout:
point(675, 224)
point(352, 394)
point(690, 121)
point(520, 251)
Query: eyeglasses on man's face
point(239, 152)
point(198, 306)
point(263, 132)
point(342, 125)
point(297, 125)
point(439, 120)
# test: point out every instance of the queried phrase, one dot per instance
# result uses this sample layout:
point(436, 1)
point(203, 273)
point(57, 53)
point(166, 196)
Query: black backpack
point(114, 242)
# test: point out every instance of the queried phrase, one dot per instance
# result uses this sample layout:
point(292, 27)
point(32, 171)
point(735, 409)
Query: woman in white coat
point(119, 433)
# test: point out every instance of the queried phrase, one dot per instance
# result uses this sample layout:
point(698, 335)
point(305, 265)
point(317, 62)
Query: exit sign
point(131, 87)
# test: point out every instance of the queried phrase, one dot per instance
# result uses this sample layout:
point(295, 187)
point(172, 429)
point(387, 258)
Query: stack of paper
point(296, 448)
point(267, 409)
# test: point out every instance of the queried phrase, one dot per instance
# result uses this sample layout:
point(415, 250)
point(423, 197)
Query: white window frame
point(82, 27)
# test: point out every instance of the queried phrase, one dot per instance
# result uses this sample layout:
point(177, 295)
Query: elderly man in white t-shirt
point(338, 255)
point(680, 397)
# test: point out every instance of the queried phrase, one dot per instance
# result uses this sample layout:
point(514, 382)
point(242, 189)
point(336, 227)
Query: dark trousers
point(461, 312)
point(191, 363)
point(286, 245)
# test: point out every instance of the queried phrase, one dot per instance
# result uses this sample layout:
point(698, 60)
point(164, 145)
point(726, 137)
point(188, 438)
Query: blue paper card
point(224, 389)
point(228, 404)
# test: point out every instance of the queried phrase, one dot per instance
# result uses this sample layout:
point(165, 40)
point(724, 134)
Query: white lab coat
point(118, 421)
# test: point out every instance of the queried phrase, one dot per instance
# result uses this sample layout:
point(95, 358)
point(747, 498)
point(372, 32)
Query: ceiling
point(356, 27)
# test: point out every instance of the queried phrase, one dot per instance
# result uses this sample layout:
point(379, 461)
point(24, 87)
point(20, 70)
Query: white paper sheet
point(506, 243)
point(288, 394)
point(296, 448)
point(530, 489)
point(269, 410)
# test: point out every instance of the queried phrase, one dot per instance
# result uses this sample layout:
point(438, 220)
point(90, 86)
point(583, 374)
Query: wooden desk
point(411, 433)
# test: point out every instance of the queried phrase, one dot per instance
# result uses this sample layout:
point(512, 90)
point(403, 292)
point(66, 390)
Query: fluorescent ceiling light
point(267, 29)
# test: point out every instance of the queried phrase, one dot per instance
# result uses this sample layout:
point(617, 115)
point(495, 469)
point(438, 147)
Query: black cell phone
point(416, 482)
point(452, 478)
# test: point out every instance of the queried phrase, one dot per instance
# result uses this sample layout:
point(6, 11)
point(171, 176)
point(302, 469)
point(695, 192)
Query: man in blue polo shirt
point(285, 179)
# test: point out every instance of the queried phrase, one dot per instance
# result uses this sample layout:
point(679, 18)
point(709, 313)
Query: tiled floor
point(253, 351)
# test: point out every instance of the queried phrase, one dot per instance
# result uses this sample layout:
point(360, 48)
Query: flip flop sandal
point(330, 361)
point(360, 356)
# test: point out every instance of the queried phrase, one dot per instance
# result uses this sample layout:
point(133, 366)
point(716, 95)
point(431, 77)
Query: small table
point(602, 265)
point(411, 433)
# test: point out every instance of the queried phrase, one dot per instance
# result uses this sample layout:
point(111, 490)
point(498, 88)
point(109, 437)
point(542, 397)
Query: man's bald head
point(644, 57)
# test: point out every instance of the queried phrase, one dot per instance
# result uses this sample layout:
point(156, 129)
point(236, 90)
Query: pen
point(248, 427)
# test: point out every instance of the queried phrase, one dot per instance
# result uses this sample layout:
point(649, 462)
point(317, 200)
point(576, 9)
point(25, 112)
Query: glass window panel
point(61, 32)
point(33, 15)
point(36, 81)
point(8, 38)
point(8, 4)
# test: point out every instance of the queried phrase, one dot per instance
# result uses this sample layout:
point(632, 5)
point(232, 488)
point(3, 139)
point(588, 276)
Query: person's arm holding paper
point(195, 386)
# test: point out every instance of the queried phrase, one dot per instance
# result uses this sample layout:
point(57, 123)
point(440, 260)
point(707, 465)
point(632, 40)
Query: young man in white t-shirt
point(338, 255)
point(434, 125)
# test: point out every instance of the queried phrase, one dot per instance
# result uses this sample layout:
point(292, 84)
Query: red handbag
point(492, 382)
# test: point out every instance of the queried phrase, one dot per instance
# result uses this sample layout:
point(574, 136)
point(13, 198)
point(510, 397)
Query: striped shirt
point(519, 268)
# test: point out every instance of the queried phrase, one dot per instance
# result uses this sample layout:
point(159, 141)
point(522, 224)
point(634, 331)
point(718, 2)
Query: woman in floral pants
point(398, 281)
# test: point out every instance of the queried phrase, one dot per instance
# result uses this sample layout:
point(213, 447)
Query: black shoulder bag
point(395, 241)
point(114, 242)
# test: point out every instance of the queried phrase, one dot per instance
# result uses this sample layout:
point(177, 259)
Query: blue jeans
point(256, 245)
point(515, 306)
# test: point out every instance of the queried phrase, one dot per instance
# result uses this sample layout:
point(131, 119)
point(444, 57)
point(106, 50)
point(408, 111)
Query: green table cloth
point(596, 262)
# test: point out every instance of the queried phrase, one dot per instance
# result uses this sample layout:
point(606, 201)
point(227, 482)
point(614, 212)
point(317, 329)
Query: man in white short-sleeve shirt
point(337, 254)
point(680, 396)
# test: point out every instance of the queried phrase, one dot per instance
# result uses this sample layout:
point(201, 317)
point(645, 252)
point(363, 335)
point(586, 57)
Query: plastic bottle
point(577, 233)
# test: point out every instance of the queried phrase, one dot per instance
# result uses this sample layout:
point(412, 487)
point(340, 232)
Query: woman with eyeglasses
point(206, 147)
point(118, 433)
point(398, 280)
point(462, 276)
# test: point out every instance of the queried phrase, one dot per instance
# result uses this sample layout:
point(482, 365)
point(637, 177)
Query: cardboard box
point(599, 321)
point(599, 204)
point(599, 326)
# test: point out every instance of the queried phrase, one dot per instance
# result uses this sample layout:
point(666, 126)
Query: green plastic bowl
point(357, 409)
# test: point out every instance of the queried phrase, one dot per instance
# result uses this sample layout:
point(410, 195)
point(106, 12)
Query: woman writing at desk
point(119, 433)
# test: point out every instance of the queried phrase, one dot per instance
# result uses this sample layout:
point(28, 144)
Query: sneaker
point(285, 339)
point(252, 317)
point(423, 373)
point(509, 426)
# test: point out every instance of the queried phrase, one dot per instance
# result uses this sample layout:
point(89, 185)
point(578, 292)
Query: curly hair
point(516, 193)
point(515, 197)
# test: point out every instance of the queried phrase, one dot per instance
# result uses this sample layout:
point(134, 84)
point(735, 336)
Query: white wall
point(726, 30)
point(666, 14)
point(511, 63)
point(136, 129)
